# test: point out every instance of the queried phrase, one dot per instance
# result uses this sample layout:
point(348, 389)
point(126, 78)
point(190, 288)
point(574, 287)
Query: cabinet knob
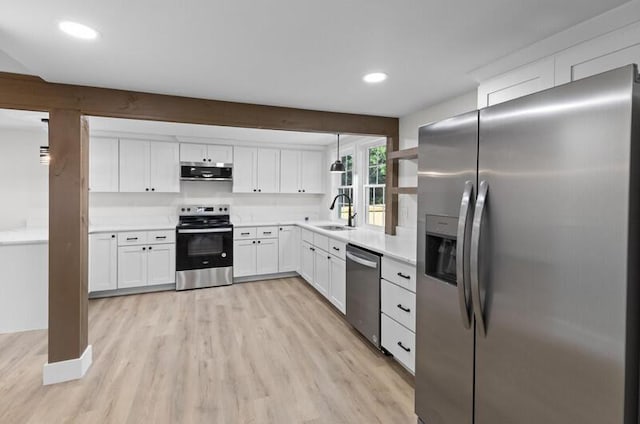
point(328, 257)
point(258, 241)
point(204, 159)
point(149, 247)
point(209, 160)
point(254, 190)
point(144, 248)
point(304, 191)
point(153, 189)
point(254, 242)
point(146, 189)
point(260, 190)
point(113, 236)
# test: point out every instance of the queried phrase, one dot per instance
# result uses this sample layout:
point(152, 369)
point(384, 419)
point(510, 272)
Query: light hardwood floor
point(264, 352)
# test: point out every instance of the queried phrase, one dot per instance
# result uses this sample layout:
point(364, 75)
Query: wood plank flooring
point(263, 352)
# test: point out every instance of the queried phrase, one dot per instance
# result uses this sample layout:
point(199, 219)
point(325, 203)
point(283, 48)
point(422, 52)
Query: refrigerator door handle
point(461, 263)
point(475, 259)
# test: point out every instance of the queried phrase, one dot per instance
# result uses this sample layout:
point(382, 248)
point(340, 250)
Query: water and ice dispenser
point(440, 261)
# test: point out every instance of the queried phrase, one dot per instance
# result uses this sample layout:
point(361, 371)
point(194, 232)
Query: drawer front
point(267, 232)
point(399, 341)
point(165, 236)
point(338, 248)
point(307, 236)
point(400, 273)
point(321, 242)
point(399, 304)
point(132, 238)
point(244, 233)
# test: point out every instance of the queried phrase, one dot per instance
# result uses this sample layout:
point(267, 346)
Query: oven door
point(204, 248)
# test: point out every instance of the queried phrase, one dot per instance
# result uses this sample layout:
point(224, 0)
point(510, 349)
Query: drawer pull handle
point(335, 248)
point(266, 232)
point(161, 237)
point(132, 238)
point(312, 249)
point(403, 308)
point(406, 349)
point(404, 276)
point(244, 234)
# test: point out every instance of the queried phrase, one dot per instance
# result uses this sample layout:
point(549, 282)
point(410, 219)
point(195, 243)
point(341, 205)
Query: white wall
point(24, 182)
point(409, 125)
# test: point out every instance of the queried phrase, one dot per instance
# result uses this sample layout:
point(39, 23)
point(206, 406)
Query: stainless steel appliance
point(201, 171)
point(204, 247)
point(528, 247)
point(363, 292)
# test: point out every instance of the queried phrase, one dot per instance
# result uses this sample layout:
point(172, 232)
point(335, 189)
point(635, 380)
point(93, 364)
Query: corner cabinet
point(149, 166)
point(302, 171)
point(103, 165)
point(256, 170)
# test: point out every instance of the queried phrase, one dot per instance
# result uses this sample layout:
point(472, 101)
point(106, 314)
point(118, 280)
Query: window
point(374, 187)
point(345, 187)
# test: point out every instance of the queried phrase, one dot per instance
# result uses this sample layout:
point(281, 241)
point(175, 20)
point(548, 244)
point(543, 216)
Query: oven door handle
point(206, 230)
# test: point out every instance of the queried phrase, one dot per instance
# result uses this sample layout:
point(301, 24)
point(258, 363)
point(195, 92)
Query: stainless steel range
point(204, 247)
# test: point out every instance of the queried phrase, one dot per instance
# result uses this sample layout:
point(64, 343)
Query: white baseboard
point(72, 369)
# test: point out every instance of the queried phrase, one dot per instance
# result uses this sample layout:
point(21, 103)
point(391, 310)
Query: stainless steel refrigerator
point(528, 256)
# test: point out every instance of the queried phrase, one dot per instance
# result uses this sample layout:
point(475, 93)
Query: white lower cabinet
point(103, 262)
point(244, 258)
point(288, 248)
point(399, 341)
point(132, 266)
point(267, 256)
point(321, 272)
point(161, 264)
point(338, 283)
point(307, 259)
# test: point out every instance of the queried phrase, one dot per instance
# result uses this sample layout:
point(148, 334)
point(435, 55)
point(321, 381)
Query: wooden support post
point(68, 235)
point(391, 208)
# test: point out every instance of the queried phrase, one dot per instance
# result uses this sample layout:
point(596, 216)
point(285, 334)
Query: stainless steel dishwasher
point(363, 292)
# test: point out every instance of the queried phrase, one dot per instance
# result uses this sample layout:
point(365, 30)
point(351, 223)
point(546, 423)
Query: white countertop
point(402, 248)
point(24, 236)
point(113, 228)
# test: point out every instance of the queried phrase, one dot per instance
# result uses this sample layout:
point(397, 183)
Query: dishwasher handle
point(362, 261)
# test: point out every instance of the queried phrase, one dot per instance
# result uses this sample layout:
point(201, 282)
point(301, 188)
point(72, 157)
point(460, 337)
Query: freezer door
point(552, 257)
point(444, 336)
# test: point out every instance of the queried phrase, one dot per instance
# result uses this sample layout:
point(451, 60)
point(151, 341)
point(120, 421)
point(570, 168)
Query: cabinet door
point(267, 256)
point(193, 152)
point(103, 165)
point(219, 154)
point(132, 266)
point(338, 283)
point(520, 82)
point(290, 171)
point(103, 262)
point(244, 170)
point(244, 258)
point(307, 259)
point(134, 166)
point(164, 167)
point(288, 248)
point(321, 272)
point(161, 264)
point(268, 171)
point(313, 171)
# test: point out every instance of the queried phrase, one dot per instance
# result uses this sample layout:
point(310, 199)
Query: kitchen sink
point(335, 227)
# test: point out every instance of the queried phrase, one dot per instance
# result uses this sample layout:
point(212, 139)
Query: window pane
point(373, 171)
point(382, 155)
point(382, 174)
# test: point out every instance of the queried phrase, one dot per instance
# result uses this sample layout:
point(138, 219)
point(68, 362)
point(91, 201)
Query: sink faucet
point(350, 222)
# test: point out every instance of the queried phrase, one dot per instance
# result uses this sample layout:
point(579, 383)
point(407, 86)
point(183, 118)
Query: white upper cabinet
point(210, 153)
point(302, 171)
point(290, 171)
point(134, 166)
point(313, 172)
point(149, 166)
point(256, 170)
point(613, 50)
point(520, 82)
point(103, 165)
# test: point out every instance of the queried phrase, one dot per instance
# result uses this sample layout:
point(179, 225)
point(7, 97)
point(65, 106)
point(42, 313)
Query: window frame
point(336, 214)
point(364, 200)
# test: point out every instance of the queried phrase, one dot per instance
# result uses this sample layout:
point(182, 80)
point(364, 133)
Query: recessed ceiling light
point(77, 30)
point(374, 77)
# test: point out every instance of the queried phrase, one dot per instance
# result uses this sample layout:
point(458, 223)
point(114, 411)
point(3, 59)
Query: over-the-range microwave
point(197, 171)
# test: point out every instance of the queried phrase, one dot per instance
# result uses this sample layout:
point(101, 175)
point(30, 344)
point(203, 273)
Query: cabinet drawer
point(321, 242)
point(132, 238)
point(244, 233)
point(337, 248)
point(307, 236)
point(399, 304)
point(400, 273)
point(267, 232)
point(399, 341)
point(164, 236)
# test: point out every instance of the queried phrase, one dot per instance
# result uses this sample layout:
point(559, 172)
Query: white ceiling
point(308, 54)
